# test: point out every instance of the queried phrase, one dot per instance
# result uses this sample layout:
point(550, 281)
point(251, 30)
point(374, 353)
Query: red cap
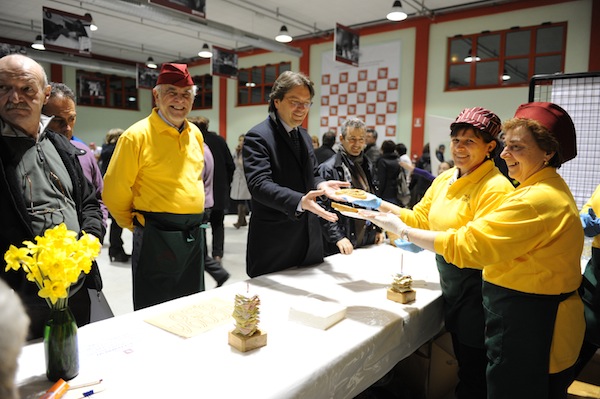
point(481, 119)
point(558, 123)
point(174, 74)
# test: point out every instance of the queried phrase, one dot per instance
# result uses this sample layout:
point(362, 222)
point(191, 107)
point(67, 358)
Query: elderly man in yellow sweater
point(154, 187)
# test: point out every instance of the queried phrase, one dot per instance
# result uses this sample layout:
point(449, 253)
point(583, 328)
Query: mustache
point(10, 106)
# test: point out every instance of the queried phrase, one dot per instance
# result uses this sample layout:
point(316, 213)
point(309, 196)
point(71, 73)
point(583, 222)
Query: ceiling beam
point(165, 16)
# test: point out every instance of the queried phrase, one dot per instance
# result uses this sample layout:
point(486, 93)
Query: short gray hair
point(61, 89)
point(352, 122)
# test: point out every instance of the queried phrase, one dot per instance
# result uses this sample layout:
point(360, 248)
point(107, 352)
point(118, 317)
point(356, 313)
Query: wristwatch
point(404, 234)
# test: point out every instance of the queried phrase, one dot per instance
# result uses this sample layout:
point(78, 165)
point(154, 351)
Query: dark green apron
point(518, 335)
point(590, 294)
point(171, 263)
point(463, 311)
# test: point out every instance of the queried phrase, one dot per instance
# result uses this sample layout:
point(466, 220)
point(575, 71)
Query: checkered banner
point(369, 92)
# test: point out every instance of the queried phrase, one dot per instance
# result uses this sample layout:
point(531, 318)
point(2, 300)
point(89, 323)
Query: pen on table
point(90, 393)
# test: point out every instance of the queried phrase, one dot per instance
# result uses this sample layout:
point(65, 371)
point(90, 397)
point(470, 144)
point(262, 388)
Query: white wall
point(93, 123)
point(502, 101)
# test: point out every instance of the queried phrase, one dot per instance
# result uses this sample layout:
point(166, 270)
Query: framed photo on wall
point(7, 48)
point(66, 32)
point(346, 45)
point(196, 8)
point(146, 77)
point(224, 63)
point(91, 89)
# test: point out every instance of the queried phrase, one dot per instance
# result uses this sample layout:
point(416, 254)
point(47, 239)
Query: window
point(505, 58)
point(255, 84)
point(110, 91)
point(204, 95)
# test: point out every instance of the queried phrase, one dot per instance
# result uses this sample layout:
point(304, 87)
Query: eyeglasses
point(298, 104)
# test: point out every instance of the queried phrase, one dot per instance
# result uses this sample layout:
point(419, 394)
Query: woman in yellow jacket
point(529, 248)
point(591, 282)
point(470, 190)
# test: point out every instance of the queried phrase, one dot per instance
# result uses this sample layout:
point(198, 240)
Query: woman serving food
point(529, 248)
point(464, 193)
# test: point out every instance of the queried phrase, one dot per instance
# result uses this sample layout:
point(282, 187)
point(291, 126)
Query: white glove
point(387, 221)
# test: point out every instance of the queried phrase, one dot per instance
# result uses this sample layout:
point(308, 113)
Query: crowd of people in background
point(504, 226)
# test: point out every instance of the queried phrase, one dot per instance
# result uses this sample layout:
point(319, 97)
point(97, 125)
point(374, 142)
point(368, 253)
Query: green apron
point(463, 312)
point(590, 294)
point(171, 262)
point(518, 336)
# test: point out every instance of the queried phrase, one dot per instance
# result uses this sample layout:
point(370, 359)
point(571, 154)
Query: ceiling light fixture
point(397, 13)
point(38, 44)
point(470, 58)
point(283, 36)
point(93, 26)
point(505, 76)
point(151, 64)
point(205, 51)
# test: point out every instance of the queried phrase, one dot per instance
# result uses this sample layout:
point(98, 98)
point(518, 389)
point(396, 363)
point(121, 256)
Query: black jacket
point(16, 226)
point(223, 169)
point(332, 169)
point(278, 236)
point(323, 153)
point(388, 169)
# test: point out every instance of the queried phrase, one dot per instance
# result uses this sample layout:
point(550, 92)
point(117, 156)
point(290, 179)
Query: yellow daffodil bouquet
point(54, 262)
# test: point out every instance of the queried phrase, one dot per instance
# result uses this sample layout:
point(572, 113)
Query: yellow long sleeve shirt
point(155, 168)
point(450, 206)
point(531, 243)
point(594, 203)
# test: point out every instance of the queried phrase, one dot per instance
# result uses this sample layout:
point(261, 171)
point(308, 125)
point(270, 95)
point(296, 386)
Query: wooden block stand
point(244, 343)
point(402, 297)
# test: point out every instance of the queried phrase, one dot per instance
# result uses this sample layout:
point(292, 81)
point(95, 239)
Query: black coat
point(332, 169)
point(223, 169)
point(279, 237)
point(323, 153)
point(16, 227)
point(388, 169)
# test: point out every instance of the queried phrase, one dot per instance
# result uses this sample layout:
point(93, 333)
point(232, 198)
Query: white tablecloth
point(138, 360)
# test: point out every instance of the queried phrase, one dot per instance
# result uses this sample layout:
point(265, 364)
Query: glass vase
point(60, 345)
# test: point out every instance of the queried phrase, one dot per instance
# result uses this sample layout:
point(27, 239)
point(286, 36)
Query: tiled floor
point(117, 276)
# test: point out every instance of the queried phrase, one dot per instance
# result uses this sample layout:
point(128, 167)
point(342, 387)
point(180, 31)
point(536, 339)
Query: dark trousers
point(114, 238)
point(212, 266)
point(218, 231)
point(472, 363)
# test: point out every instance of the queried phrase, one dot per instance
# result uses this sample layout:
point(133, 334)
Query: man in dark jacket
point(350, 164)
point(325, 151)
point(280, 167)
point(41, 184)
point(224, 168)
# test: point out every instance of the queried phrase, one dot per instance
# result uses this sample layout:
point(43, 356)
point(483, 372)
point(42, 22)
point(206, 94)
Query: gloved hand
point(590, 223)
point(407, 246)
point(387, 221)
point(371, 202)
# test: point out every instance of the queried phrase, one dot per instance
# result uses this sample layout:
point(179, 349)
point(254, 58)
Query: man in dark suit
point(325, 151)
point(224, 168)
point(280, 167)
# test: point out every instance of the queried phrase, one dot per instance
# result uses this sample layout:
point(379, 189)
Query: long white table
point(138, 360)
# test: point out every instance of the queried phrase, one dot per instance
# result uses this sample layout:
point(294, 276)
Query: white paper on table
point(316, 313)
